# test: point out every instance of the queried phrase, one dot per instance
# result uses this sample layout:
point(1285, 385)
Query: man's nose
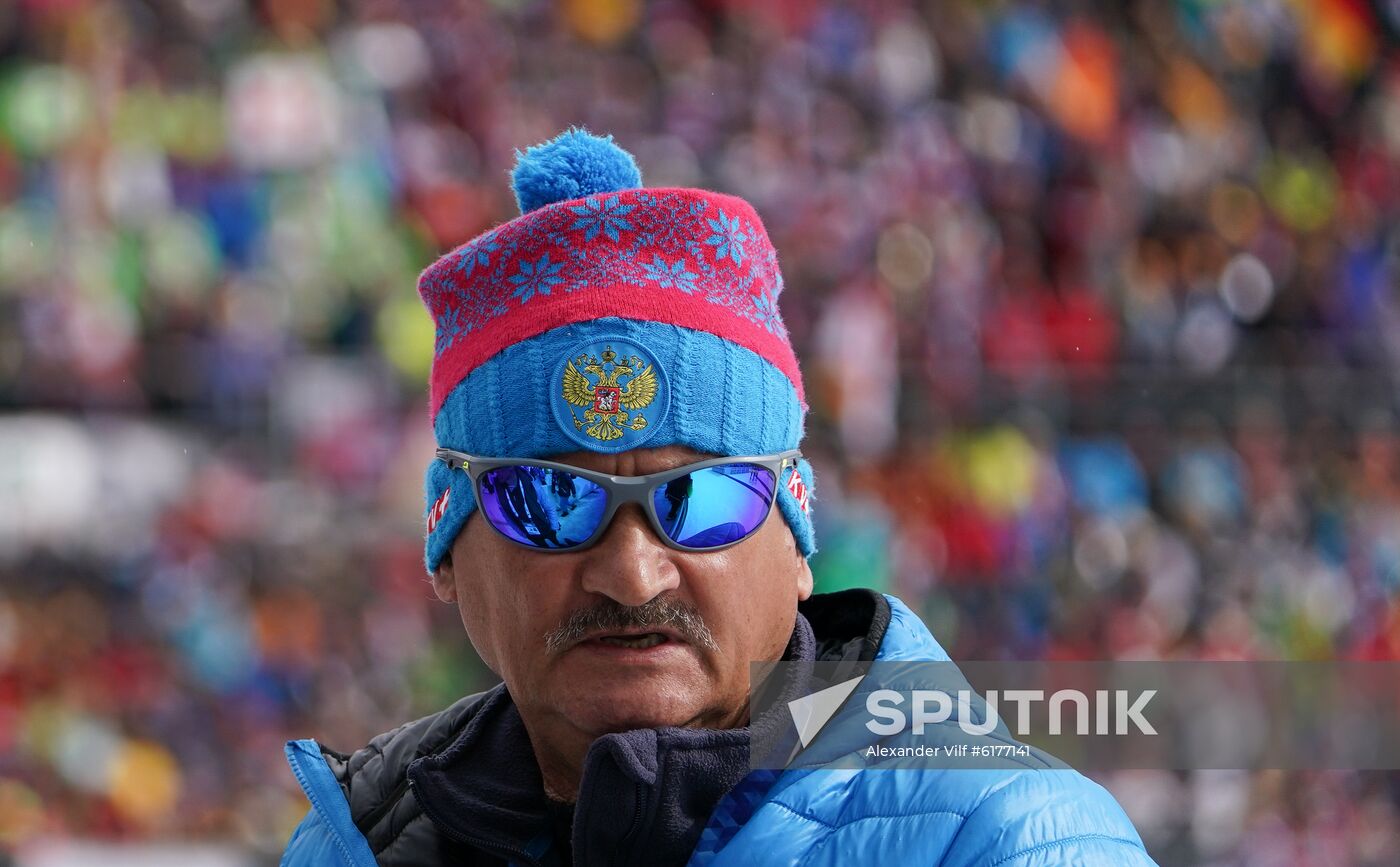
point(629, 564)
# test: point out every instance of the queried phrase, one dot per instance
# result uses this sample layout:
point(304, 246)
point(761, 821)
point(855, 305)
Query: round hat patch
point(609, 394)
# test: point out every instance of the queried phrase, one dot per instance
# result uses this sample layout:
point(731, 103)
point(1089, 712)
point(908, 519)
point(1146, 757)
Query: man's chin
point(622, 708)
point(633, 714)
point(620, 723)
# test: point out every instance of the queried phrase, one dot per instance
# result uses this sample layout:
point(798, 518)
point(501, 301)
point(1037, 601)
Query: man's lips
point(644, 638)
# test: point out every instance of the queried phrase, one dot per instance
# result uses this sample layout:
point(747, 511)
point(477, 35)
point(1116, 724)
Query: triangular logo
point(811, 713)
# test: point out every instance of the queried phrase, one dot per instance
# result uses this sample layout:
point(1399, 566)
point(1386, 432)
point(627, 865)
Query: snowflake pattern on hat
point(646, 239)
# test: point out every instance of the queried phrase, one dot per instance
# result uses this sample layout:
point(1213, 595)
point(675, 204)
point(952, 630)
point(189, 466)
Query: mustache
point(611, 616)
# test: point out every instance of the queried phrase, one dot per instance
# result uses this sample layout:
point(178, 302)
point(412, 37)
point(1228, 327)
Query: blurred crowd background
point(1096, 302)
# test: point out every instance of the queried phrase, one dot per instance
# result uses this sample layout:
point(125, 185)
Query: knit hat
point(609, 317)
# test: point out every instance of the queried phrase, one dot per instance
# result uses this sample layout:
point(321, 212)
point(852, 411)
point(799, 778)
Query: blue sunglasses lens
point(715, 506)
point(542, 507)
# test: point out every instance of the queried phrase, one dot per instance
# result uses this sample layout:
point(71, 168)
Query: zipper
point(512, 854)
point(637, 816)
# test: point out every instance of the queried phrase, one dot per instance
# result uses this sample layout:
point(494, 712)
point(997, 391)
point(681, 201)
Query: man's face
point(510, 598)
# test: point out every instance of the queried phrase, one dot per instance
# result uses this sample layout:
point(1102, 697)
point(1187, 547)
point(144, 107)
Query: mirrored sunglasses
point(548, 506)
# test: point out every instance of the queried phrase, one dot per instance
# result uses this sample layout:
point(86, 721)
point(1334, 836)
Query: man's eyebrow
point(690, 459)
point(664, 467)
point(682, 461)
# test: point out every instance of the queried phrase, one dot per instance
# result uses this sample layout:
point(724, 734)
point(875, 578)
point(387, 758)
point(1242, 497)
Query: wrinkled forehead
point(636, 462)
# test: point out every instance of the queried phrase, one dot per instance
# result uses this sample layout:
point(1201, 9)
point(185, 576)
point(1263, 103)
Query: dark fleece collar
point(644, 797)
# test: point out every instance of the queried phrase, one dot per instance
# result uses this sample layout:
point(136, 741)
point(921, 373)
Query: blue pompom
point(571, 166)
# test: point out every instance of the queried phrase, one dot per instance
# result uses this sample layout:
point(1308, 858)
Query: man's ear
point(444, 581)
point(805, 581)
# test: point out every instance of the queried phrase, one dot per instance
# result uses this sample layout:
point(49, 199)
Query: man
point(620, 514)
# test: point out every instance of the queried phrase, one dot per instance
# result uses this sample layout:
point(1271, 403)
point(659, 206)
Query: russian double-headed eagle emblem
point(611, 407)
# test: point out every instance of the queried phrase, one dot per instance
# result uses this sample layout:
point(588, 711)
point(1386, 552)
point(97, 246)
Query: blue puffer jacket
point(953, 817)
point(950, 817)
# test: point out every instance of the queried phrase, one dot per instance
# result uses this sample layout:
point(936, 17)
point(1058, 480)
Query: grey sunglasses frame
point(620, 489)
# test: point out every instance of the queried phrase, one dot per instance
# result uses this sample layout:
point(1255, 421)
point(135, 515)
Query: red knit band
point(690, 258)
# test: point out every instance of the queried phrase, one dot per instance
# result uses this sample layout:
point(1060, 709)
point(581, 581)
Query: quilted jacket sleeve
point(1047, 817)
